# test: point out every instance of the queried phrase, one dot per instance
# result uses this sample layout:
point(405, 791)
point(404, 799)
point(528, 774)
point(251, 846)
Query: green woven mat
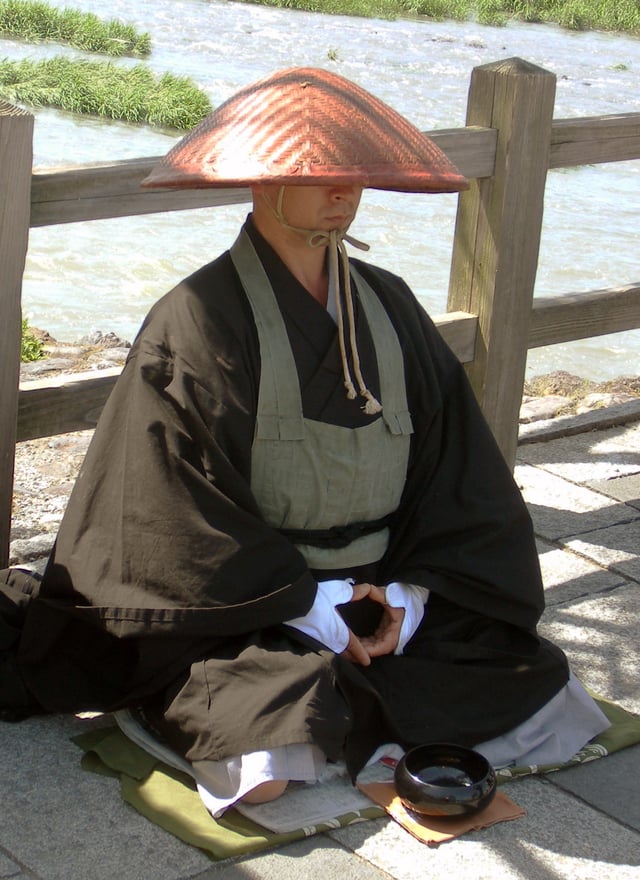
point(169, 797)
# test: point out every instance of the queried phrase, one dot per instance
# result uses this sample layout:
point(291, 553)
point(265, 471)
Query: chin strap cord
point(337, 246)
point(338, 258)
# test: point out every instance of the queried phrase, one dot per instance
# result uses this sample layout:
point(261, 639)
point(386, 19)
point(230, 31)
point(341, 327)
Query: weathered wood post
point(16, 157)
point(495, 253)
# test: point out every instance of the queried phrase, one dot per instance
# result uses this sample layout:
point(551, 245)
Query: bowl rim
point(445, 801)
point(480, 772)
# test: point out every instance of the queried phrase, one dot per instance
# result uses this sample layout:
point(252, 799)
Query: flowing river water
point(106, 274)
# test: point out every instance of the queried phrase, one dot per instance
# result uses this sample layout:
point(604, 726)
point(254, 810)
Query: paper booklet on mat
point(303, 805)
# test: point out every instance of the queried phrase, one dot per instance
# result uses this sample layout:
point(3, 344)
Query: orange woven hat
point(306, 126)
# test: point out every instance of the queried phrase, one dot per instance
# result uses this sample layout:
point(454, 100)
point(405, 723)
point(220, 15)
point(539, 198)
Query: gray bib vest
point(308, 475)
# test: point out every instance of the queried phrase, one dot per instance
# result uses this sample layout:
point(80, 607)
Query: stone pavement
point(583, 491)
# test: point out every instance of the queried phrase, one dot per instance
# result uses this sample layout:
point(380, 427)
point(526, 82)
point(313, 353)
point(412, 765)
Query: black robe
point(165, 584)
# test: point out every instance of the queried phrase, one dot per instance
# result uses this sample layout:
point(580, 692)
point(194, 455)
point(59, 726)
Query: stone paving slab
point(316, 857)
point(8, 868)
point(560, 509)
point(62, 823)
point(625, 489)
point(600, 636)
point(616, 548)
point(610, 785)
point(561, 838)
point(576, 425)
point(594, 455)
point(568, 576)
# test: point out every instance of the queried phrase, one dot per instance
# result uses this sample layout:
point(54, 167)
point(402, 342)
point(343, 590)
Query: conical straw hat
point(306, 126)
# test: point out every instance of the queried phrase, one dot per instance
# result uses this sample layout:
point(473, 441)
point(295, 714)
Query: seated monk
point(294, 540)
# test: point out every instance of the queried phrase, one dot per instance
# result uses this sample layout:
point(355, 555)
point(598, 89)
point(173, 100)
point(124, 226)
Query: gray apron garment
point(309, 475)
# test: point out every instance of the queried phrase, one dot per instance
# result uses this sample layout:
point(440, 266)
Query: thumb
point(360, 591)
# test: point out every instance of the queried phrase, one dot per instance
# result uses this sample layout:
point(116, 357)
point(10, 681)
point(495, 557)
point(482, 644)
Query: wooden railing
point(506, 148)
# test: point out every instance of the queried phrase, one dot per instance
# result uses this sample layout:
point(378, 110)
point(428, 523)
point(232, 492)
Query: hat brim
point(306, 127)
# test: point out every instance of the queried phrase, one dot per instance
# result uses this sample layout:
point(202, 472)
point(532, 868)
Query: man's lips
point(340, 219)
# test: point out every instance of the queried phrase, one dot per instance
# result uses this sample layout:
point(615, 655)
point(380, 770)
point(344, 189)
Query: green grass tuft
point(101, 88)
point(438, 10)
point(31, 346)
point(38, 21)
point(360, 8)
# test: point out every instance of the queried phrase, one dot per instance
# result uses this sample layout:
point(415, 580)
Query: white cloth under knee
point(551, 735)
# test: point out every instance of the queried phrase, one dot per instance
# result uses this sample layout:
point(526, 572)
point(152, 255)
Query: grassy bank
point(105, 89)
point(37, 22)
point(610, 15)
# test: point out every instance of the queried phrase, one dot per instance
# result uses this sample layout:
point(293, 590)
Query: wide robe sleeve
point(162, 540)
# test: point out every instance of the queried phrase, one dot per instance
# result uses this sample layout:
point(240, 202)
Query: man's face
point(317, 207)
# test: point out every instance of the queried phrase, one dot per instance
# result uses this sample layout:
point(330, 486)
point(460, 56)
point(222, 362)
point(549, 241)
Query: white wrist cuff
point(322, 622)
point(413, 599)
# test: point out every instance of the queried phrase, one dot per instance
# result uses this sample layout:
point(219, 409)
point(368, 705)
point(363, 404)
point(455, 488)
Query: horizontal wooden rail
point(571, 316)
point(72, 402)
point(594, 139)
point(112, 189)
point(459, 330)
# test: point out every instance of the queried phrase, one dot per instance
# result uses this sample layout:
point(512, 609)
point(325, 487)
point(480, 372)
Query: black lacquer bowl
point(442, 779)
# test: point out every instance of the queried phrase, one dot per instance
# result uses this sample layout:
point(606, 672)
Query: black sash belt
point(337, 536)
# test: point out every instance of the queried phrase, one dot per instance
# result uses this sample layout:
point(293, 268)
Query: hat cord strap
point(335, 292)
point(372, 405)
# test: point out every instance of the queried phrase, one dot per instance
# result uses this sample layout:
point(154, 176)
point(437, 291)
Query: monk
point(294, 540)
